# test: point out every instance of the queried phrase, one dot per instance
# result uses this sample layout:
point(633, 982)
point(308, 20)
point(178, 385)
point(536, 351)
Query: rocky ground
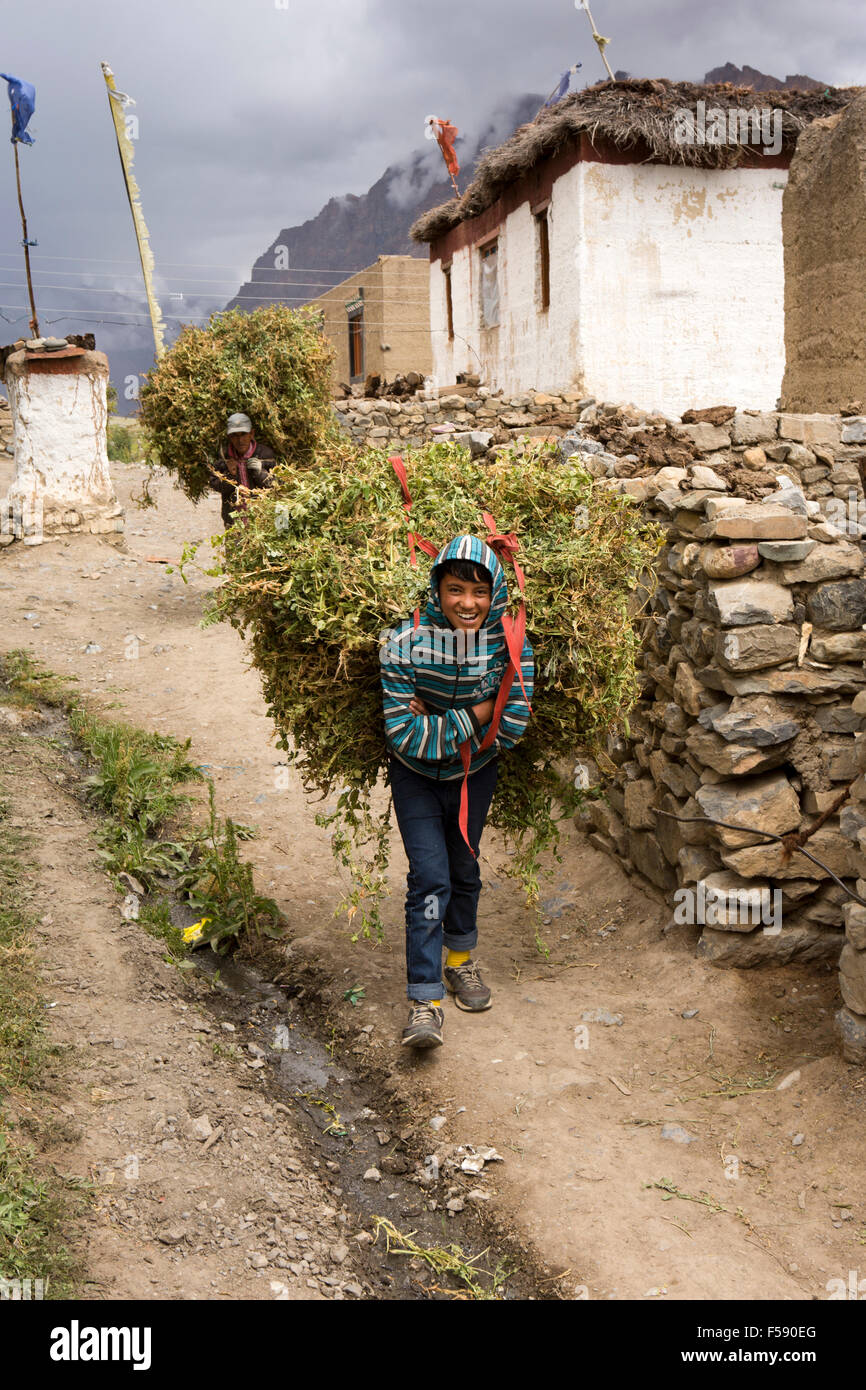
point(631, 1090)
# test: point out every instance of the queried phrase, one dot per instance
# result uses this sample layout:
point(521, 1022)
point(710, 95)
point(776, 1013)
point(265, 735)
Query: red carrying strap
point(400, 469)
point(504, 546)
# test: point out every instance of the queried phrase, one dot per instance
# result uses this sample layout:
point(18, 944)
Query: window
point(543, 226)
point(449, 303)
point(490, 285)
point(355, 309)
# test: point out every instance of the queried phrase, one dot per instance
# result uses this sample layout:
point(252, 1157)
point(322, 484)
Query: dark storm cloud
point(252, 114)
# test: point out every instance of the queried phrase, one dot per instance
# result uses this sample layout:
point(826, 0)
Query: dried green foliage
point(273, 365)
point(322, 568)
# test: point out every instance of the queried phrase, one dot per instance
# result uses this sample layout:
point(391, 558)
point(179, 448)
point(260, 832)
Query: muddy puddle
point(351, 1129)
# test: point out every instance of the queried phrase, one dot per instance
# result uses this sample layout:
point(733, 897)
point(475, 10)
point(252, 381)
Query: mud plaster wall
point(666, 290)
point(824, 226)
point(396, 313)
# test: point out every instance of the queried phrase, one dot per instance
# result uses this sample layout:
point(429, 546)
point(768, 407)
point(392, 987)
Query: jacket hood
point(479, 553)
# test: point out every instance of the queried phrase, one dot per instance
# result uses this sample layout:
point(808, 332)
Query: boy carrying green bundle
point(454, 698)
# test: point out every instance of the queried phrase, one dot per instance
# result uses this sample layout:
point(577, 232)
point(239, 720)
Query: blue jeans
point(444, 881)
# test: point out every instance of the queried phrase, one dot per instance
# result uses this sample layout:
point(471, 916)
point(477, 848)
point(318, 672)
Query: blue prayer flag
point(564, 83)
point(22, 98)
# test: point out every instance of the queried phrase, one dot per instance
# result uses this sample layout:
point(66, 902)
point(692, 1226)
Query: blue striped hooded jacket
point(450, 673)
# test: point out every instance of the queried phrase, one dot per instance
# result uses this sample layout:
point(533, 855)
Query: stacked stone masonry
point(753, 706)
point(481, 420)
point(753, 703)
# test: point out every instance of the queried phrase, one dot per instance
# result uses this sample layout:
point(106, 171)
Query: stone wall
point(752, 671)
point(481, 419)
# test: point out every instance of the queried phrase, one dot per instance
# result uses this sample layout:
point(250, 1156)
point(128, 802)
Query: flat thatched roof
point(628, 114)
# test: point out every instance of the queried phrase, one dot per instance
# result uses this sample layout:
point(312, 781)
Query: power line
point(203, 318)
point(272, 299)
point(206, 265)
point(107, 275)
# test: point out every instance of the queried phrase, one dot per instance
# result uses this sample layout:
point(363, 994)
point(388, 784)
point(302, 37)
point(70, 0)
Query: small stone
point(339, 1252)
point(437, 1122)
point(854, 432)
point(758, 522)
point(729, 561)
point(851, 1030)
point(788, 1080)
point(456, 1204)
point(839, 607)
point(171, 1235)
point(852, 979)
point(797, 1140)
point(755, 647)
point(782, 551)
point(768, 801)
point(704, 477)
point(201, 1128)
point(823, 563)
point(739, 603)
point(752, 427)
point(706, 438)
point(754, 458)
point(258, 1261)
point(372, 1175)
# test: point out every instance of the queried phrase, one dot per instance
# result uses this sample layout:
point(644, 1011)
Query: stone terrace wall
point(753, 709)
point(479, 419)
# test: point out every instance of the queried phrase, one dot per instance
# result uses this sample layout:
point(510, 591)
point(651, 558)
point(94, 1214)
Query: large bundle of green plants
point(321, 567)
point(273, 365)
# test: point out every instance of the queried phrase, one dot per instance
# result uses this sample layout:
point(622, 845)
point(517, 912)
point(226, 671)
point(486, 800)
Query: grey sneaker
point(425, 1025)
point(469, 990)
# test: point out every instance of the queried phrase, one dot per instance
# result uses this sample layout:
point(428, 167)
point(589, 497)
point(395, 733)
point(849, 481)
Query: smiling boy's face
point(465, 603)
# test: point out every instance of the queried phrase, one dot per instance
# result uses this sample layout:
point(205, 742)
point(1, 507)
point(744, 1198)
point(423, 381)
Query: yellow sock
point(456, 958)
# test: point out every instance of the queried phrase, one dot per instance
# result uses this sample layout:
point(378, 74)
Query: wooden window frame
point(486, 247)
point(356, 338)
point(543, 233)
point(449, 301)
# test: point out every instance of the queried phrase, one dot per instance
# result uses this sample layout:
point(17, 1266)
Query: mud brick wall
point(753, 704)
point(824, 235)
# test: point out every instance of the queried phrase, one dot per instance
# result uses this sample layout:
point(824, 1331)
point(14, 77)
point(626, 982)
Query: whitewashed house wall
point(667, 291)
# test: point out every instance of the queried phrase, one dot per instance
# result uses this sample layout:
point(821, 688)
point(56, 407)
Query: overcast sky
point(252, 113)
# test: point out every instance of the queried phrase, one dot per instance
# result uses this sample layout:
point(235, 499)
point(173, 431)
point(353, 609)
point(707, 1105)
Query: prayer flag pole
point(34, 323)
point(117, 102)
point(600, 40)
point(22, 99)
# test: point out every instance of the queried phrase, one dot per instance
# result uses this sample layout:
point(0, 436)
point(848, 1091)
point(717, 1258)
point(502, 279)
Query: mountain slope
point(350, 232)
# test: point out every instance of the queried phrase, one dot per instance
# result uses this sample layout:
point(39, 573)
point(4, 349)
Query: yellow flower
point(194, 933)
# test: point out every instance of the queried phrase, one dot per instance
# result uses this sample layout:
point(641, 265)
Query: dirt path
point(577, 1116)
